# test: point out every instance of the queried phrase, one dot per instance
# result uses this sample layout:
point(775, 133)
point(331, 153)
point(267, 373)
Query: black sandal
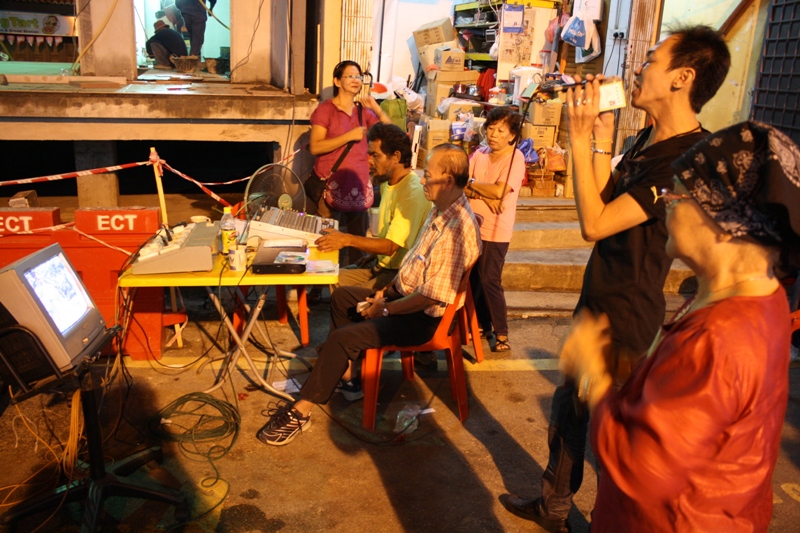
point(501, 344)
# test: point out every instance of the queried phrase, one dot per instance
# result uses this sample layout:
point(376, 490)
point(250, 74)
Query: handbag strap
point(349, 145)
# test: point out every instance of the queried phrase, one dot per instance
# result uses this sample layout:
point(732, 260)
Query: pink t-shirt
point(349, 188)
point(497, 228)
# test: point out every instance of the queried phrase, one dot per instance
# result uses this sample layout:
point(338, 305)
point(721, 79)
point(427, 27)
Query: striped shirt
point(449, 244)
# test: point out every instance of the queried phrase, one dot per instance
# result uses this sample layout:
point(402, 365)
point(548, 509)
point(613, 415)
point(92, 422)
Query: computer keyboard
point(189, 248)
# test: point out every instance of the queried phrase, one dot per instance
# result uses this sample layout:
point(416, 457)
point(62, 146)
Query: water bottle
point(407, 419)
point(227, 229)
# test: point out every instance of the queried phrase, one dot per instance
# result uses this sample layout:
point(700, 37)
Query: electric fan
point(274, 185)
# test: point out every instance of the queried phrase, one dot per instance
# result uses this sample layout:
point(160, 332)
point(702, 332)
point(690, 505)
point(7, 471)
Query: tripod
point(102, 482)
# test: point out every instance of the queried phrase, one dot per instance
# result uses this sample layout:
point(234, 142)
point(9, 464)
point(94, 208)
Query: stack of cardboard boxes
point(437, 45)
point(543, 131)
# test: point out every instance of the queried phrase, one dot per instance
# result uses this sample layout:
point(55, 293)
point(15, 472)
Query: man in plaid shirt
point(408, 311)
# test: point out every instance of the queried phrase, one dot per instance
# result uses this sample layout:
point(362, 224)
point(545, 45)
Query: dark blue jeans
point(566, 438)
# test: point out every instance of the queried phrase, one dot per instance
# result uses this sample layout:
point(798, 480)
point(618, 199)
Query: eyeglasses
point(356, 78)
point(670, 198)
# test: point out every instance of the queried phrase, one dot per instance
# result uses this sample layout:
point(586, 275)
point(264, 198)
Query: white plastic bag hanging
point(584, 55)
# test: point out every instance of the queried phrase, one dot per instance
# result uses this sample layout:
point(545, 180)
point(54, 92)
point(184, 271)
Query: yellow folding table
point(222, 276)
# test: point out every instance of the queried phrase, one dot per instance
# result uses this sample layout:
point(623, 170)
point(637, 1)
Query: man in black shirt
point(165, 43)
point(617, 210)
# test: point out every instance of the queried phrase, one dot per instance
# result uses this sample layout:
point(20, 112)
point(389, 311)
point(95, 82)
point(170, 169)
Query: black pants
point(354, 223)
point(196, 27)
point(487, 288)
point(566, 438)
point(351, 334)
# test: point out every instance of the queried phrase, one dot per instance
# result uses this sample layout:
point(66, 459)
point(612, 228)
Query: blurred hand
point(583, 110)
point(586, 345)
point(331, 240)
point(369, 102)
point(376, 309)
point(495, 205)
point(356, 134)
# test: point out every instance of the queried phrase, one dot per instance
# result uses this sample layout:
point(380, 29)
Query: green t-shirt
point(403, 210)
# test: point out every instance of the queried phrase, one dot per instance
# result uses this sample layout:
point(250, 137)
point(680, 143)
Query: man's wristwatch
point(385, 311)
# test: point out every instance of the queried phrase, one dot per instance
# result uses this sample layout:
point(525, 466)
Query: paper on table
point(322, 266)
point(284, 243)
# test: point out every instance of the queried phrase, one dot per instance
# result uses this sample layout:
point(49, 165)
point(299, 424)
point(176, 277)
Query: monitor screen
point(60, 291)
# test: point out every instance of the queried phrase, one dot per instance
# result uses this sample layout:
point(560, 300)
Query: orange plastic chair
point(443, 339)
point(468, 325)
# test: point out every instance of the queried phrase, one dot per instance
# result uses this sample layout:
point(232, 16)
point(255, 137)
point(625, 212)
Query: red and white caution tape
point(56, 177)
point(205, 189)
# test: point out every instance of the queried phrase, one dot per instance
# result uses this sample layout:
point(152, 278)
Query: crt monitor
point(44, 293)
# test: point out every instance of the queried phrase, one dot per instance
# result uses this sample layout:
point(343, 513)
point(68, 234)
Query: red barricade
point(98, 265)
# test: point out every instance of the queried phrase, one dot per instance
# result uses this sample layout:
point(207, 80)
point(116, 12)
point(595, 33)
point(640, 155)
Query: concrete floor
point(446, 476)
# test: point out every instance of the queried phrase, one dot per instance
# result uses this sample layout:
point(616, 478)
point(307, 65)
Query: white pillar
point(113, 52)
point(249, 27)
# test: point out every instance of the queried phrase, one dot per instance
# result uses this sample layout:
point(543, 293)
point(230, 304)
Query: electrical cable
point(610, 54)
point(246, 58)
point(209, 421)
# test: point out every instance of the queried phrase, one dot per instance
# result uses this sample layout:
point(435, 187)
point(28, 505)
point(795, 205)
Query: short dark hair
point(512, 119)
point(703, 49)
point(338, 71)
point(454, 162)
point(392, 139)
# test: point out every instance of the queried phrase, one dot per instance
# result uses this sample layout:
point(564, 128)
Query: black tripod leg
point(143, 490)
point(131, 464)
point(47, 501)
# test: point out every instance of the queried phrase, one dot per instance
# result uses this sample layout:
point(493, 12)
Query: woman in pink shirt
point(496, 174)
point(345, 194)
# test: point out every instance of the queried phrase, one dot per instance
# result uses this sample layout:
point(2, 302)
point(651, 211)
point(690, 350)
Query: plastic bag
point(396, 110)
point(407, 419)
point(584, 55)
point(574, 33)
point(552, 158)
point(526, 147)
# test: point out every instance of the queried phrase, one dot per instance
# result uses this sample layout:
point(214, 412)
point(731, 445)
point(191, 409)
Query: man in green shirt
point(402, 211)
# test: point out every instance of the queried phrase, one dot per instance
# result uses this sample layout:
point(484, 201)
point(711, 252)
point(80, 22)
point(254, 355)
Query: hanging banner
point(36, 23)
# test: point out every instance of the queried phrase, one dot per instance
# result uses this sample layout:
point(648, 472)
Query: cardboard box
point(426, 53)
point(422, 155)
point(449, 59)
point(437, 131)
point(545, 114)
point(540, 135)
point(438, 31)
point(451, 77)
point(462, 107)
point(441, 82)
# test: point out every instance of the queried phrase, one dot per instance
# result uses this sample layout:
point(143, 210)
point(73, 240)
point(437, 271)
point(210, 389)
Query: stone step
point(542, 235)
point(561, 270)
point(549, 303)
point(546, 210)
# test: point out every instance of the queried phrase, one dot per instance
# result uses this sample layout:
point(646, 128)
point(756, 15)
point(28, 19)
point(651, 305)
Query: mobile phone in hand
point(360, 306)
